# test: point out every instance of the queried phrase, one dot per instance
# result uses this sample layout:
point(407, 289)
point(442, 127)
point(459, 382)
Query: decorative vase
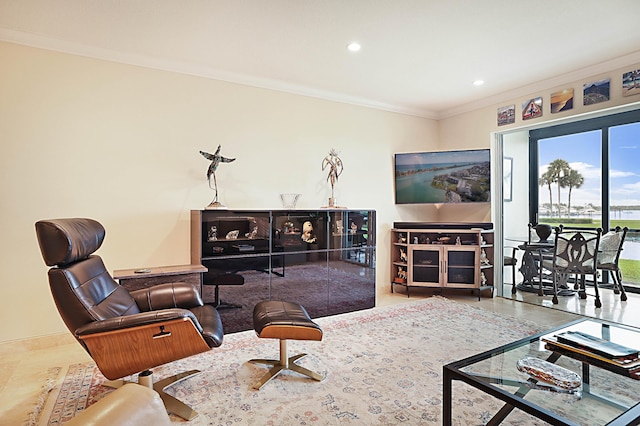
point(543, 231)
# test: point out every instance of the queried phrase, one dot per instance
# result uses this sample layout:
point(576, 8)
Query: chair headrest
point(64, 241)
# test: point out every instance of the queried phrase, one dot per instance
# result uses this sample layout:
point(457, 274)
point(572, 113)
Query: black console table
point(322, 259)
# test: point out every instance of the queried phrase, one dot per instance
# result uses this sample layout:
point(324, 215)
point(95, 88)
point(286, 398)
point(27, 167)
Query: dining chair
point(512, 261)
point(574, 253)
point(536, 248)
point(610, 249)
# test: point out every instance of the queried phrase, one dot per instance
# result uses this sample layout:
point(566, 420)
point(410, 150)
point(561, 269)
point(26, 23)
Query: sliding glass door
point(569, 179)
point(624, 189)
point(587, 175)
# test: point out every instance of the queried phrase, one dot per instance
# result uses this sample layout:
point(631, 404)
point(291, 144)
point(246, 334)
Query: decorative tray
point(550, 373)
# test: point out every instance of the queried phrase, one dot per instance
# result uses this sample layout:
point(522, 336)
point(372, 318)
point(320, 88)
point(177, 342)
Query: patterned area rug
point(33, 416)
point(381, 366)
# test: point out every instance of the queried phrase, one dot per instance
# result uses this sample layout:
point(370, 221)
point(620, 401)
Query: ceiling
point(418, 57)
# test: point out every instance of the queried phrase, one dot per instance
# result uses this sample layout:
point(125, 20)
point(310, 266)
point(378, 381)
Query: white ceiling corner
point(418, 57)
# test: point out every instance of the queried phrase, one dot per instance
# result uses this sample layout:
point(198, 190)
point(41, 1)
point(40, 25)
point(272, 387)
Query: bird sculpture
point(215, 159)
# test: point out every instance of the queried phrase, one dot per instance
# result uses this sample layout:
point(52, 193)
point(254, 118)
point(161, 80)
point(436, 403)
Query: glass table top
point(604, 389)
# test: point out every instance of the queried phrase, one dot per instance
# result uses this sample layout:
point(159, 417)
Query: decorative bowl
point(289, 200)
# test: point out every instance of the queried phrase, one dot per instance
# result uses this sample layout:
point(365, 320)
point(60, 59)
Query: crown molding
point(561, 80)
point(48, 43)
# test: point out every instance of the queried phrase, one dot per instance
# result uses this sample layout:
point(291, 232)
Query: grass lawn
point(630, 271)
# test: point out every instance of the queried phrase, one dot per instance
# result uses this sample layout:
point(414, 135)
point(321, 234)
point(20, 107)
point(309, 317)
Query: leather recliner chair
point(124, 332)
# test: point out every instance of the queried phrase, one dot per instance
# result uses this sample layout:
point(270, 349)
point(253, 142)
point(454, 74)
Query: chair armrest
point(165, 296)
point(137, 320)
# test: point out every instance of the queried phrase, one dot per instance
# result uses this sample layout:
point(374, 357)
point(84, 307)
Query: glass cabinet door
point(460, 266)
point(304, 280)
point(351, 287)
point(299, 231)
point(425, 267)
point(236, 301)
point(351, 230)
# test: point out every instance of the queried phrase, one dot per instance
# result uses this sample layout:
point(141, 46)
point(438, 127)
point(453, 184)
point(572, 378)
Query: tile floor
point(23, 364)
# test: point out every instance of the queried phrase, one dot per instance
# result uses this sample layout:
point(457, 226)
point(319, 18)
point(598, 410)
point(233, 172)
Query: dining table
point(534, 279)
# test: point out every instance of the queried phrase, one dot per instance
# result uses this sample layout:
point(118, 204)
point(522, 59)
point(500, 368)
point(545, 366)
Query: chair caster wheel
point(582, 295)
point(555, 300)
point(598, 304)
point(623, 297)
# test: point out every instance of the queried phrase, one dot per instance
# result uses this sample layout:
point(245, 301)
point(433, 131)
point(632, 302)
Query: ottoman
point(284, 321)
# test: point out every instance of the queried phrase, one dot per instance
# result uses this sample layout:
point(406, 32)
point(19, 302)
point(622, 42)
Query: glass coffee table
point(605, 391)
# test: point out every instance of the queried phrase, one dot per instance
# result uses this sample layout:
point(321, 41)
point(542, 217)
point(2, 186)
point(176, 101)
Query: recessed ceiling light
point(478, 82)
point(354, 46)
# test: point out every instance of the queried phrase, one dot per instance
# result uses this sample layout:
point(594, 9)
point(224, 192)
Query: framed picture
point(532, 108)
point(506, 115)
point(631, 83)
point(596, 92)
point(507, 178)
point(561, 101)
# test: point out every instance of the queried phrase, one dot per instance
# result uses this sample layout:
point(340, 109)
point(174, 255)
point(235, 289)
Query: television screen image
point(443, 177)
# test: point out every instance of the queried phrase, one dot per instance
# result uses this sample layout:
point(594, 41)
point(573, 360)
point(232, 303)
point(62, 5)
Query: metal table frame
point(452, 372)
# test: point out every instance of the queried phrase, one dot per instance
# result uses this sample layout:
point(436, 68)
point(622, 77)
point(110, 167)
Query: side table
point(134, 279)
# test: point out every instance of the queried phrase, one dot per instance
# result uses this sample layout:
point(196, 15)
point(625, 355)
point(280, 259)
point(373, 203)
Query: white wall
point(478, 128)
point(516, 211)
point(118, 143)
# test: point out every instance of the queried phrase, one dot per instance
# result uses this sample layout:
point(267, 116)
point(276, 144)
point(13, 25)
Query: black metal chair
point(223, 279)
point(610, 249)
point(512, 261)
point(534, 251)
point(574, 253)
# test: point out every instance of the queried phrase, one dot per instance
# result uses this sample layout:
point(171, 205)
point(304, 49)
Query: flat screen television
point(443, 177)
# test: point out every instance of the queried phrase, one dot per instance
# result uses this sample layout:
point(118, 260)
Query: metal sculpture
point(334, 163)
point(215, 159)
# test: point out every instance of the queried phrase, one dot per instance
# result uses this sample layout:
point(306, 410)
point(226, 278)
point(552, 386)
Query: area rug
point(33, 417)
point(381, 366)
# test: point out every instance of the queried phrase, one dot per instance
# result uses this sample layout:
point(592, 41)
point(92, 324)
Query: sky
point(583, 153)
point(421, 158)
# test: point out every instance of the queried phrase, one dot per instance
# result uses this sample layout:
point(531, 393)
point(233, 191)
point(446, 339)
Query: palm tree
point(558, 171)
point(546, 179)
point(574, 180)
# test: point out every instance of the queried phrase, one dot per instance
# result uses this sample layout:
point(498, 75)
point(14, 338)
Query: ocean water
point(416, 188)
point(631, 248)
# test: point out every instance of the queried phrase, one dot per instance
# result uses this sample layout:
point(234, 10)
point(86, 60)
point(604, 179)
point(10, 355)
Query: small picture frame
point(596, 92)
point(532, 108)
point(631, 83)
point(561, 100)
point(506, 115)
